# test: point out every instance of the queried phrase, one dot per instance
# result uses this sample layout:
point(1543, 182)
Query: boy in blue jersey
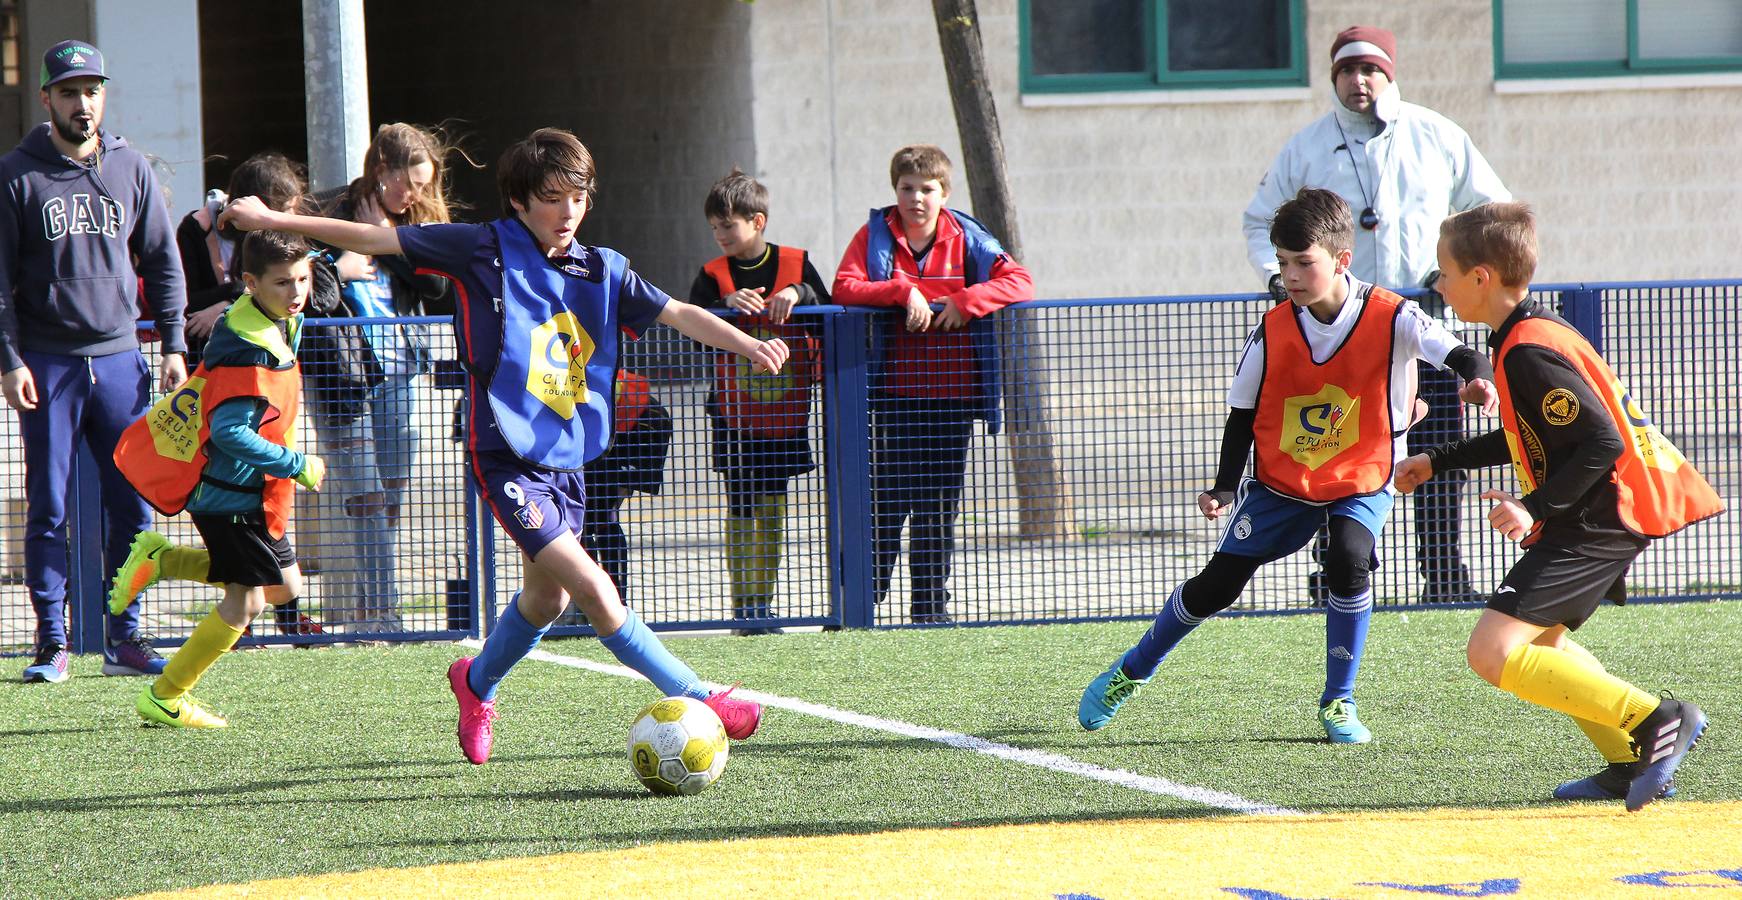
point(538, 317)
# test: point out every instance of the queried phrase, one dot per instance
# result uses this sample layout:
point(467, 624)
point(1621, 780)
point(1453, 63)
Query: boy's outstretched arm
point(250, 214)
point(698, 324)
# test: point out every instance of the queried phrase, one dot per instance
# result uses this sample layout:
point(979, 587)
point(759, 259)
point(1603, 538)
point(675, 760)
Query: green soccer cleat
point(140, 571)
point(182, 712)
point(1103, 697)
point(1341, 725)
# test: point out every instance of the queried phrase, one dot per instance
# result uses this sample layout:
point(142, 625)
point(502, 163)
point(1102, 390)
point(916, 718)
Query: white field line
point(1037, 758)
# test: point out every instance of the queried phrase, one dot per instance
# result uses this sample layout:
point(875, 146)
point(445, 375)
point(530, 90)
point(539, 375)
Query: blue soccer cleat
point(1609, 784)
point(1103, 697)
point(1341, 724)
point(1664, 739)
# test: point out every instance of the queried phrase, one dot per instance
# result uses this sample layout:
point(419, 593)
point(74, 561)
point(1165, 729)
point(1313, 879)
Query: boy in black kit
point(1597, 482)
point(760, 421)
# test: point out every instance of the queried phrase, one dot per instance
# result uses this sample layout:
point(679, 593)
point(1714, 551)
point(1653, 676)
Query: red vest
point(163, 453)
point(1657, 490)
point(1323, 431)
point(634, 394)
point(759, 403)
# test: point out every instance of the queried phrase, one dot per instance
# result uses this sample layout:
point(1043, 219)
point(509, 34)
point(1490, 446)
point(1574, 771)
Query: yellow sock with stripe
point(1615, 745)
point(1575, 685)
point(185, 564)
point(210, 640)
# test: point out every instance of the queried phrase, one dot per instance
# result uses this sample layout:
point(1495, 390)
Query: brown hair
point(736, 195)
point(397, 147)
point(928, 161)
point(1314, 216)
point(1501, 236)
point(262, 250)
point(272, 177)
point(530, 166)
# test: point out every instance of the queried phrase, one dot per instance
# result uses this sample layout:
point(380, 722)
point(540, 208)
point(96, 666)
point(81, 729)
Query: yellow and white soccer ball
point(677, 746)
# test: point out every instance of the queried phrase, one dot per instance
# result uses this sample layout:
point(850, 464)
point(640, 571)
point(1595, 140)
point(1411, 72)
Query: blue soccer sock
point(1170, 627)
point(508, 643)
point(636, 646)
point(1346, 620)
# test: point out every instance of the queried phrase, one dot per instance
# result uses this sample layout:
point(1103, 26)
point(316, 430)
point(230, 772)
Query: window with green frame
point(1117, 45)
point(1581, 38)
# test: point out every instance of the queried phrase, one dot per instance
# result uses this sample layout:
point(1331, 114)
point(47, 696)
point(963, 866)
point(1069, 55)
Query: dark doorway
point(251, 84)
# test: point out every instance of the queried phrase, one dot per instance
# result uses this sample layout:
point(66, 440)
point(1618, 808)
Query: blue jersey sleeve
point(440, 247)
point(639, 304)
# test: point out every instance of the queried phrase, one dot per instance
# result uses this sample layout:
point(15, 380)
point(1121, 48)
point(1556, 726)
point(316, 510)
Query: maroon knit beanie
point(1365, 44)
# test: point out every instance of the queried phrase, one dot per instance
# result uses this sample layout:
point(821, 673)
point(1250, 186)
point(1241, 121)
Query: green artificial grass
point(343, 759)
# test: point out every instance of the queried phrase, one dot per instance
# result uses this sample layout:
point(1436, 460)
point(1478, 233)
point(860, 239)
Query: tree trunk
point(1043, 493)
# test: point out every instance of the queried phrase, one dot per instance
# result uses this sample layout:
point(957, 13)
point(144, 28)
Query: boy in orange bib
point(1597, 482)
point(1323, 397)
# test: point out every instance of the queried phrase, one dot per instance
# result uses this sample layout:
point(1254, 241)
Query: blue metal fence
point(1082, 507)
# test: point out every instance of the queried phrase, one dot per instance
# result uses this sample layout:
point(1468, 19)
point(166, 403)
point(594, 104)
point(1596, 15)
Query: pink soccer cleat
point(739, 716)
point(476, 731)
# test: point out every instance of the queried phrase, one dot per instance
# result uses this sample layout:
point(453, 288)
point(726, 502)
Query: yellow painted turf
point(1584, 850)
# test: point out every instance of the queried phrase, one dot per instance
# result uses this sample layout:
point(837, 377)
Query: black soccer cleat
point(1664, 739)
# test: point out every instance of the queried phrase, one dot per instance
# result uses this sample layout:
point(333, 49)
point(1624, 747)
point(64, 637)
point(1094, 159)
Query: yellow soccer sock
point(210, 640)
point(1615, 744)
point(741, 558)
point(770, 528)
point(185, 564)
point(1572, 684)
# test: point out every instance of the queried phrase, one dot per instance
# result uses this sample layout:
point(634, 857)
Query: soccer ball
point(677, 746)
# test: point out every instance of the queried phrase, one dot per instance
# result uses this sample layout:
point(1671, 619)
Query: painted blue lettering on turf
point(1493, 887)
point(1075, 897)
point(1258, 894)
point(1664, 879)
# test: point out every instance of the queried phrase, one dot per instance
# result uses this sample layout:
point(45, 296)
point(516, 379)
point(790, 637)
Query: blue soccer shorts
point(534, 505)
point(1268, 526)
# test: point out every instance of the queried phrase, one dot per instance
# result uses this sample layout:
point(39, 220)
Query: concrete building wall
point(657, 90)
point(1628, 183)
point(154, 92)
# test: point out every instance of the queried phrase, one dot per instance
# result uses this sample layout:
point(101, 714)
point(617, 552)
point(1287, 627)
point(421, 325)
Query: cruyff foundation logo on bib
point(1654, 448)
point(558, 373)
point(175, 422)
point(1317, 427)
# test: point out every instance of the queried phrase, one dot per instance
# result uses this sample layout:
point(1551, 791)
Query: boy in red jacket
point(937, 373)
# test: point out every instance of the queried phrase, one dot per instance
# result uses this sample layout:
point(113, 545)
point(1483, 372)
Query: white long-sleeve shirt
point(1412, 165)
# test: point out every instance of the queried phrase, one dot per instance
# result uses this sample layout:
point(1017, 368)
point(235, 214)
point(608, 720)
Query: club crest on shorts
point(530, 517)
point(1243, 528)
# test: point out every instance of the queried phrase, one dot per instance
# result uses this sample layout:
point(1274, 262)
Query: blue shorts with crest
point(1266, 525)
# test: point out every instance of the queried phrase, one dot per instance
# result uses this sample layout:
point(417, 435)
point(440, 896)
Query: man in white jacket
point(1402, 168)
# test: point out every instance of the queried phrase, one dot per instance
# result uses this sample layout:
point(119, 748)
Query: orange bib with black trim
point(1323, 431)
point(1657, 490)
point(163, 453)
point(761, 403)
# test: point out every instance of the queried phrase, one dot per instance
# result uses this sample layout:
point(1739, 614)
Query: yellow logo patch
point(1560, 407)
point(557, 375)
point(1654, 448)
point(1317, 427)
point(175, 422)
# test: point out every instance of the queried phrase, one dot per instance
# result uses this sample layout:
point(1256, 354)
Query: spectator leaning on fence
point(371, 434)
point(539, 324)
point(937, 373)
point(1401, 168)
point(1321, 398)
point(760, 421)
point(1597, 482)
point(82, 219)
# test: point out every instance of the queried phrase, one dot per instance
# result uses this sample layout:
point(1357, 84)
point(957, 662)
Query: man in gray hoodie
point(82, 223)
